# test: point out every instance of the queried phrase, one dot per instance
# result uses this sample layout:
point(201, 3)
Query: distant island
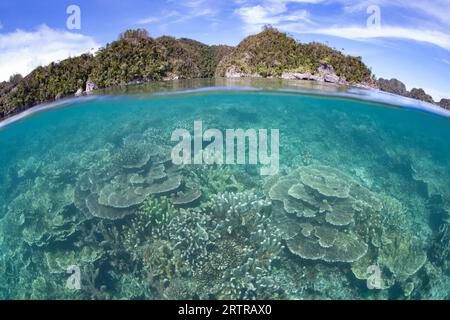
point(136, 58)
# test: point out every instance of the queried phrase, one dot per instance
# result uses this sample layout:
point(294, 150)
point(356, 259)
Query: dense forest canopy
point(271, 53)
point(47, 83)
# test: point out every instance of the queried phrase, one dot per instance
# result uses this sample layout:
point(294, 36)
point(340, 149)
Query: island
point(136, 58)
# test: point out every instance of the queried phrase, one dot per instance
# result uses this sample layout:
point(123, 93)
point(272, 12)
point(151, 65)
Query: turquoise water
point(90, 185)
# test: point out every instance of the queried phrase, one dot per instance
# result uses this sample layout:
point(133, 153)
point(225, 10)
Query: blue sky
point(411, 41)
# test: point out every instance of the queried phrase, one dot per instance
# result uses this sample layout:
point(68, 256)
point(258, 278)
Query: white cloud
point(164, 16)
point(194, 3)
point(302, 1)
point(184, 11)
point(446, 61)
point(280, 1)
point(436, 9)
point(279, 13)
point(148, 20)
point(363, 33)
point(22, 51)
point(203, 8)
point(272, 12)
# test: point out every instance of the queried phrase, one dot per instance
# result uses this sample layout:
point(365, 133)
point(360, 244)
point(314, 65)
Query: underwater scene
point(93, 205)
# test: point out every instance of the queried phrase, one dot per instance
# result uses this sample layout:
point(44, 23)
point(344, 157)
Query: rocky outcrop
point(171, 77)
point(233, 73)
point(325, 73)
point(237, 72)
point(298, 76)
point(393, 86)
point(79, 93)
point(90, 86)
point(420, 94)
point(445, 103)
point(397, 87)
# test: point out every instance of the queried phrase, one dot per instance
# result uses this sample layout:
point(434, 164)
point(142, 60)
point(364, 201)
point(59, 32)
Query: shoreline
point(338, 90)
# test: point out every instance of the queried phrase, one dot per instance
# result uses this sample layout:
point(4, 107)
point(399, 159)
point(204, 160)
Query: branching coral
point(395, 249)
point(227, 248)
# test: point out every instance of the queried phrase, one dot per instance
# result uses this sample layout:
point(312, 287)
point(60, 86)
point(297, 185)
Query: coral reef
point(137, 171)
point(326, 215)
point(317, 209)
point(50, 217)
point(395, 249)
point(245, 247)
point(350, 199)
point(224, 250)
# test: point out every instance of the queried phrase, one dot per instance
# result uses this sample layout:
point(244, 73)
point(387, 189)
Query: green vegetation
point(191, 59)
point(352, 69)
point(271, 53)
point(267, 54)
point(420, 94)
point(47, 83)
point(136, 57)
point(7, 86)
point(445, 103)
point(397, 87)
point(393, 86)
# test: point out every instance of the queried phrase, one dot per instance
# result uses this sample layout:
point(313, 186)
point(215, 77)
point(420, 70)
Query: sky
point(405, 39)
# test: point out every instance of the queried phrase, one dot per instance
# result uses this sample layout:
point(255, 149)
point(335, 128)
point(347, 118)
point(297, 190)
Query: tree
point(134, 35)
point(15, 79)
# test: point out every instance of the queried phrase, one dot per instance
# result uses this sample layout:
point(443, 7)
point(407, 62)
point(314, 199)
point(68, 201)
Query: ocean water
point(92, 206)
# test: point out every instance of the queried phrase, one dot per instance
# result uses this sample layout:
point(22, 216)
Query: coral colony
point(235, 139)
